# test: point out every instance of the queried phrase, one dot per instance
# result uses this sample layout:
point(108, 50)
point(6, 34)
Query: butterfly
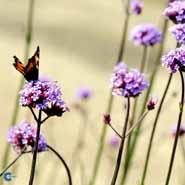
point(31, 70)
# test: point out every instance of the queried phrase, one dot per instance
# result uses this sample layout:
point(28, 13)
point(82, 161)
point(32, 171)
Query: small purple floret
point(146, 35)
point(127, 83)
point(178, 31)
point(23, 137)
point(136, 7)
point(176, 12)
point(174, 60)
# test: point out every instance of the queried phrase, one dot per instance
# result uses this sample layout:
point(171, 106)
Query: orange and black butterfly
point(31, 70)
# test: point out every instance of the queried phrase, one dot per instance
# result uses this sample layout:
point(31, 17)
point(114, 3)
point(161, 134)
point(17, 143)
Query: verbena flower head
point(23, 136)
point(127, 83)
point(178, 31)
point(146, 35)
point(43, 95)
point(181, 131)
point(83, 93)
point(136, 7)
point(176, 12)
point(174, 60)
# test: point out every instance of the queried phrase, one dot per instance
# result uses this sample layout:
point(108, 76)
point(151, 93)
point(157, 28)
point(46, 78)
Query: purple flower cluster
point(174, 60)
point(23, 136)
point(176, 12)
point(83, 93)
point(146, 35)
point(43, 95)
point(181, 131)
point(136, 7)
point(127, 83)
point(178, 31)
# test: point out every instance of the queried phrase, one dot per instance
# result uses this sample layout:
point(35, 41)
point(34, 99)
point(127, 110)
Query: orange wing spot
point(18, 65)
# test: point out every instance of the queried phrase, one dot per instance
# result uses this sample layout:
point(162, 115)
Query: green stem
point(27, 48)
point(181, 107)
point(35, 151)
point(119, 157)
point(142, 66)
point(154, 129)
point(152, 80)
point(110, 101)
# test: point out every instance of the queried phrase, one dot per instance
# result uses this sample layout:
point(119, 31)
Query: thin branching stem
point(35, 149)
point(63, 162)
point(110, 99)
point(131, 129)
point(181, 107)
point(154, 129)
point(153, 76)
point(116, 132)
point(33, 113)
point(121, 147)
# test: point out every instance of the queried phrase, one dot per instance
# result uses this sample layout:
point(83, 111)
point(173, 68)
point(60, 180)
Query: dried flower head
point(23, 136)
point(136, 7)
point(178, 31)
point(181, 131)
point(127, 83)
point(43, 95)
point(174, 60)
point(176, 12)
point(146, 35)
point(107, 118)
point(152, 103)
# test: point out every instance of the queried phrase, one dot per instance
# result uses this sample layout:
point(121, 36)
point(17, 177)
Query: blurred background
point(79, 42)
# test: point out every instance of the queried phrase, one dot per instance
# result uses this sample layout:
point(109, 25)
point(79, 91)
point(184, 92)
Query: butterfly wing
point(19, 65)
point(32, 68)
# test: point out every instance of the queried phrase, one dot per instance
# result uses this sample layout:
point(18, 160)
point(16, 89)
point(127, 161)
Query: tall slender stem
point(110, 100)
point(152, 80)
point(135, 103)
point(63, 162)
point(181, 107)
point(154, 129)
point(11, 164)
point(34, 159)
point(119, 157)
point(28, 39)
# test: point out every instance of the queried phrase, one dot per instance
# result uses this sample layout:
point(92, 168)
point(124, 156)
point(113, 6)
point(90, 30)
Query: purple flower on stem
point(176, 12)
point(146, 35)
point(181, 131)
point(136, 7)
point(174, 60)
point(23, 136)
point(43, 95)
point(83, 93)
point(127, 83)
point(178, 31)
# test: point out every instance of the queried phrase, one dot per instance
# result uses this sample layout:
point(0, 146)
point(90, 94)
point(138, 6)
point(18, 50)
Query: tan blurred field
point(79, 42)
